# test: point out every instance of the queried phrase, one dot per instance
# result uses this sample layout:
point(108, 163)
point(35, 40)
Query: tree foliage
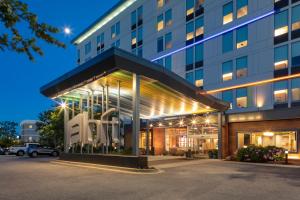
point(51, 128)
point(8, 133)
point(14, 12)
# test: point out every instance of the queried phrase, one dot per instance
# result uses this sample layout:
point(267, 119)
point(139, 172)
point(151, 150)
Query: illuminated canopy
point(162, 92)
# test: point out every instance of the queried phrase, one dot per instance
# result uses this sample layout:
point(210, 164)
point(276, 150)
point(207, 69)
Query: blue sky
point(21, 79)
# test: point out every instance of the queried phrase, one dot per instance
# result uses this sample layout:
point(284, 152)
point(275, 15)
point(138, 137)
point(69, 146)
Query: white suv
point(20, 150)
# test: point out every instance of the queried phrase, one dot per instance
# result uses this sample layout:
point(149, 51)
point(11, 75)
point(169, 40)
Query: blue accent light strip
point(216, 35)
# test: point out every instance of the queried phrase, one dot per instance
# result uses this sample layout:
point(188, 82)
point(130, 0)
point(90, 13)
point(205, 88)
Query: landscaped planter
point(139, 162)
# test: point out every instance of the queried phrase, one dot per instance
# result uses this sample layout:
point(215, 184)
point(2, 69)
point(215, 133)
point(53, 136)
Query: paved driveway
point(38, 179)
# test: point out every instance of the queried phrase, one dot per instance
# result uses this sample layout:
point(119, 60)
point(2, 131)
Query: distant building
point(28, 131)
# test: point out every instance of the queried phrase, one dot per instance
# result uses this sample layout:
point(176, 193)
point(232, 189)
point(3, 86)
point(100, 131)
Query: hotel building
point(244, 52)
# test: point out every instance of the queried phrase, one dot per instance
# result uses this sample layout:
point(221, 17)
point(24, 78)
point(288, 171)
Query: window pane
point(281, 23)
point(242, 8)
point(140, 34)
point(227, 13)
point(296, 89)
point(241, 97)
point(296, 18)
point(228, 97)
point(281, 57)
point(199, 26)
point(296, 54)
point(280, 92)
point(190, 77)
point(190, 7)
point(199, 77)
point(227, 42)
point(88, 48)
point(140, 14)
point(190, 56)
point(190, 31)
point(242, 37)
point(168, 63)
point(133, 18)
point(160, 22)
point(241, 67)
point(160, 3)
point(160, 44)
point(227, 71)
point(168, 17)
point(168, 41)
point(118, 28)
point(199, 53)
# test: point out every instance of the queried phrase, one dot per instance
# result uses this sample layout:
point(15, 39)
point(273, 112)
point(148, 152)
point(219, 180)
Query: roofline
point(115, 59)
point(88, 31)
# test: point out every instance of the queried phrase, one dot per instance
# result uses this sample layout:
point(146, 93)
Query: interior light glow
point(216, 35)
point(268, 134)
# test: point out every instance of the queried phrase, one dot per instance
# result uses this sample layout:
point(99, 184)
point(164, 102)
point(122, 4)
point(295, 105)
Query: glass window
point(280, 92)
point(140, 52)
point(227, 42)
point(190, 56)
point(228, 97)
point(296, 54)
point(88, 48)
point(160, 44)
point(227, 71)
point(160, 3)
point(199, 77)
point(168, 18)
point(228, 13)
point(118, 28)
point(190, 31)
point(133, 39)
point(281, 57)
point(78, 54)
point(168, 63)
point(190, 77)
point(140, 15)
point(281, 23)
point(199, 52)
point(296, 90)
point(241, 98)
point(113, 31)
point(242, 8)
point(168, 41)
point(140, 34)
point(242, 67)
point(242, 37)
point(190, 7)
point(160, 22)
point(199, 26)
point(133, 18)
point(296, 18)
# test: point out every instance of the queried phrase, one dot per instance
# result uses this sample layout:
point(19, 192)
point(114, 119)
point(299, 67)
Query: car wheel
point(34, 154)
point(20, 153)
point(54, 154)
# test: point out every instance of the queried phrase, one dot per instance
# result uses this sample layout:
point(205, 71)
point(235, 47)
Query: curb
point(108, 167)
point(265, 165)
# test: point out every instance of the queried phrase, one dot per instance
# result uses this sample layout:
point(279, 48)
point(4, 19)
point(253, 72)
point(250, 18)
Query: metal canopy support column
point(220, 146)
point(136, 113)
point(118, 108)
point(92, 105)
point(80, 104)
point(66, 120)
point(147, 137)
point(107, 107)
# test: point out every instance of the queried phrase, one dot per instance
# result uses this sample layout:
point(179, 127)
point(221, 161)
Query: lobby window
point(189, 59)
point(227, 43)
point(228, 97)
point(228, 13)
point(242, 37)
point(242, 8)
point(100, 43)
point(199, 77)
point(190, 8)
point(242, 67)
point(88, 48)
point(296, 90)
point(199, 25)
point(241, 98)
point(140, 15)
point(115, 30)
point(296, 22)
point(160, 44)
point(168, 63)
point(168, 41)
point(295, 57)
point(160, 22)
point(190, 33)
point(227, 69)
point(168, 18)
point(190, 77)
point(281, 92)
point(199, 55)
point(281, 27)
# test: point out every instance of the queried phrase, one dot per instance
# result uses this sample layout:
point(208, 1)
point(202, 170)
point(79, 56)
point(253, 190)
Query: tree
point(8, 133)
point(14, 12)
point(51, 127)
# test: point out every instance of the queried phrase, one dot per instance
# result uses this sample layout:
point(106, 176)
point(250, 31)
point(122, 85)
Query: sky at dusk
point(21, 79)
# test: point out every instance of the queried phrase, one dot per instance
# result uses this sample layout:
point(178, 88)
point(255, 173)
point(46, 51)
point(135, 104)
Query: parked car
point(4, 151)
point(35, 150)
point(20, 150)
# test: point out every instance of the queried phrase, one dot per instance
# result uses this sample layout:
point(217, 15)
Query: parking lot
point(25, 178)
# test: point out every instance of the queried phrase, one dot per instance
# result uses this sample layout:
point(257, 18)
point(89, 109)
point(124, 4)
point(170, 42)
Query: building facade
point(245, 52)
point(28, 131)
